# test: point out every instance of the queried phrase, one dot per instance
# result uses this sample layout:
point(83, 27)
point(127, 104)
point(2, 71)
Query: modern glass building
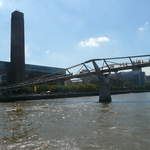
point(30, 71)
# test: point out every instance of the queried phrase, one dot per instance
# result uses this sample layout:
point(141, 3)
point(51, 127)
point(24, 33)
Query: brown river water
point(77, 124)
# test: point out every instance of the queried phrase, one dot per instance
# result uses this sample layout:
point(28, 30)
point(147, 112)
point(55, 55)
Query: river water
point(77, 124)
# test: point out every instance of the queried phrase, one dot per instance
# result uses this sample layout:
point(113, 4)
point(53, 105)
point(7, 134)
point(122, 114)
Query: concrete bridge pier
point(104, 93)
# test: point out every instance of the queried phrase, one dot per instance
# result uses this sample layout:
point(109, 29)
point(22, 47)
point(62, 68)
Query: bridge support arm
point(104, 93)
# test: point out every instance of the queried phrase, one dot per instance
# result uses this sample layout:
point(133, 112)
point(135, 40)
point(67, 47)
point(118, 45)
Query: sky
point(63, 33)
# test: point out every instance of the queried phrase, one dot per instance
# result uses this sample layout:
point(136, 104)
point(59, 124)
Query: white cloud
point(47, 52)
point(141, 29)
point(1, 3)
point(94, 42)
point(144, 27)
point(146, 23)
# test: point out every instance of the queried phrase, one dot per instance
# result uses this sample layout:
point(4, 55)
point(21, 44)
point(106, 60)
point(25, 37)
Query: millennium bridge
point(100, 67)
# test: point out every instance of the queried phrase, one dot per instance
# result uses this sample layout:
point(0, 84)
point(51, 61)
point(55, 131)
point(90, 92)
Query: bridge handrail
point(117, 58)
point(109, 58)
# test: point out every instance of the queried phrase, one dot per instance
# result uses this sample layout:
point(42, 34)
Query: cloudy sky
point(65, 32)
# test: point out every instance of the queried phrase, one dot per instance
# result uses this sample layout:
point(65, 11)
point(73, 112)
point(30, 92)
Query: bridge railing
point(109, 64)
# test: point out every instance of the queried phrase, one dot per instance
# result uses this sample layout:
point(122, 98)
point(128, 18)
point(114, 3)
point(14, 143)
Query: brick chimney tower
point(17, 64)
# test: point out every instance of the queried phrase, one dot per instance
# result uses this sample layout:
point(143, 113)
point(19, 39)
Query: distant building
point(73, 81)
point(136, 77)
point(148, 78)
point(31, 71)
point(90, 79)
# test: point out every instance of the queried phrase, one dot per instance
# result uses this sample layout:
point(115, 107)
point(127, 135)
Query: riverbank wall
point(26, 97)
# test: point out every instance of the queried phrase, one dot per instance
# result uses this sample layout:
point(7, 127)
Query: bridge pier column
point(104, 93)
